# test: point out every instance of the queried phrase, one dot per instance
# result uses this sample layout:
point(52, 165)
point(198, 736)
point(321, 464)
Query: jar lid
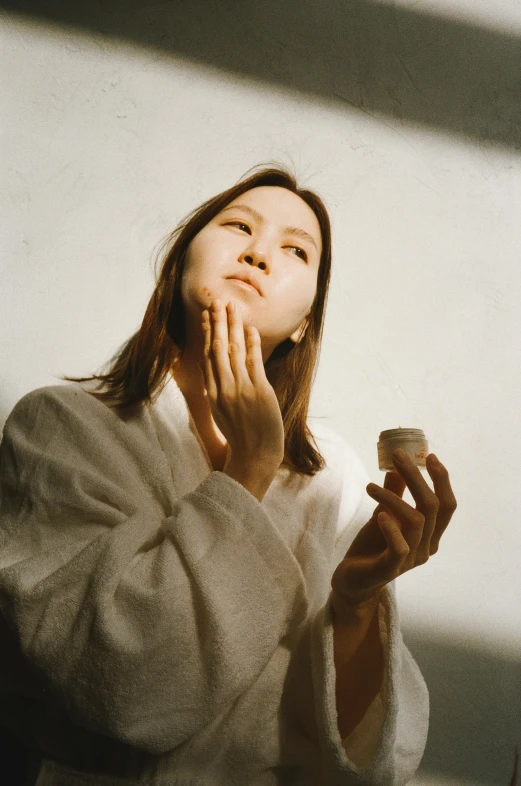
point(402, 433)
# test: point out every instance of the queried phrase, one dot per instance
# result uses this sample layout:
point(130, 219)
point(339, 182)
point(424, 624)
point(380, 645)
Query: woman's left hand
point(397, 537)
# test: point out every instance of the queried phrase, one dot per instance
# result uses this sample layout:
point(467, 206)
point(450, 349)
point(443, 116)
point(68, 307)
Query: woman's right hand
point(244, 405)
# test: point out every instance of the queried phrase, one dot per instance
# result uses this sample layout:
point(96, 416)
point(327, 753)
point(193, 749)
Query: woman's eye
point(300, 252)
point(239, 224)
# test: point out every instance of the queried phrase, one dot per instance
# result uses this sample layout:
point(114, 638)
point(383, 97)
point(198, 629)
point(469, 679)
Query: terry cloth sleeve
point(141, 623)
point(386, 748)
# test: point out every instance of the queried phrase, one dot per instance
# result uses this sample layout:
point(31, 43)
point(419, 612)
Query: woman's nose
point(255, 256)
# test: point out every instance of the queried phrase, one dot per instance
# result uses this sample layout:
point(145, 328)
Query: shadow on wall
point(475, 723)
point(391, 63)
point(475, 713)
point(388, 62)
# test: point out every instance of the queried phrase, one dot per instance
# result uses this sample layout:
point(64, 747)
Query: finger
point(237, 344)
point(254, 360)
point(445, 494)
point(211, 386)
point(219, 348)
point(421, 492)
point(392, 560)
point(426, 502)
point(394, 482)
point(410, 519)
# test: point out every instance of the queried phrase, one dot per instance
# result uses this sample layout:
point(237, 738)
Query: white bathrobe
point(161, 626)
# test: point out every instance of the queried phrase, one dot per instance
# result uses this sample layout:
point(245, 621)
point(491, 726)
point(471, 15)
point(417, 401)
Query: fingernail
point(400, 454)
point(434, 460)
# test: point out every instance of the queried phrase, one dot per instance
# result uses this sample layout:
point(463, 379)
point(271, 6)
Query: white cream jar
point(411, 440)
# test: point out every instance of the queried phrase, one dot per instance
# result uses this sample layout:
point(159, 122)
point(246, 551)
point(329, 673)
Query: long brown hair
point(140, 367)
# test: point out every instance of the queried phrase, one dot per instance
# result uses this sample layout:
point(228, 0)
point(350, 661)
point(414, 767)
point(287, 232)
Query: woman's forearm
point(359, 661)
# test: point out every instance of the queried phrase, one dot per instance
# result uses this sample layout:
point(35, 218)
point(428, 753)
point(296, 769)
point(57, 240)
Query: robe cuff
point(388, 743)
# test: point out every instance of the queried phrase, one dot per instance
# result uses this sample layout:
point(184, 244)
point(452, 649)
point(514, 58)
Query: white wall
point(107, 146)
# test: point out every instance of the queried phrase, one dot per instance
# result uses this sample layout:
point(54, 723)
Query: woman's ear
point(300, 332)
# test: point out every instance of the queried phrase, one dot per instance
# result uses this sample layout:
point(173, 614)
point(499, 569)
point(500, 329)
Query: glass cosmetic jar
point(411, 440)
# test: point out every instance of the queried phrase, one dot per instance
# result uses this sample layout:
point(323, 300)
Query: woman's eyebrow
point(287, 230)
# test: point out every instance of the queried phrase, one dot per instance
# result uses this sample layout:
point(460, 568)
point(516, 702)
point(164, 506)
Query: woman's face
point(270, 234)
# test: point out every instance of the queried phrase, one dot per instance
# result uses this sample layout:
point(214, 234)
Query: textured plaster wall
point(107, 144)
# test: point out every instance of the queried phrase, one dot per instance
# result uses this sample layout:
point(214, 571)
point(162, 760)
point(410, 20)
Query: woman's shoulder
point(336, 449)
point(342, 458)
point(62, 394)
point(56, 406)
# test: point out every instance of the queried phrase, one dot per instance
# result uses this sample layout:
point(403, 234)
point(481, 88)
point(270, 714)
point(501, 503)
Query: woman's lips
point(244, 284)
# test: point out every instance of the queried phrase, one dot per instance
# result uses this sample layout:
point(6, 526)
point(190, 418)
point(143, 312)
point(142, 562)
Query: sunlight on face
point(272, 235)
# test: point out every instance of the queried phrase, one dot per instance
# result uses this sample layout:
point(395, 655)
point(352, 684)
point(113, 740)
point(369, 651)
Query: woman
point(194, 584)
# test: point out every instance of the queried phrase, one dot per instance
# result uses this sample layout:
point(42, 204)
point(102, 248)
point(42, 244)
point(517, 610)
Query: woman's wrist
point(352, 612)
point(255, 477)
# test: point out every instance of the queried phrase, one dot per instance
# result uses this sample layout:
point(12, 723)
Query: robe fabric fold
point(163, 627)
